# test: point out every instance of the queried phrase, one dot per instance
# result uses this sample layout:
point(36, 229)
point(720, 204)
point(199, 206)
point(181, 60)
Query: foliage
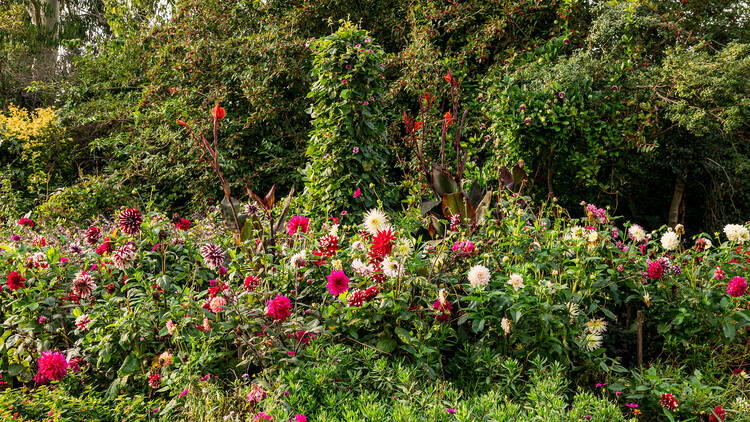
point(347, 149)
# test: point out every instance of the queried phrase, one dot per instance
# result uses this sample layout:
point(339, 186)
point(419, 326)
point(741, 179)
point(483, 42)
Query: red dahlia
point(15, 281)
point(93, 234)
point(130, 221)
point(669, 402)
point(382, 244)
point(718, 415)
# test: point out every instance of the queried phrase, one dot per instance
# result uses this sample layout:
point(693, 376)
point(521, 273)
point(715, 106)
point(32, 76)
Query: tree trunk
point(678, 197)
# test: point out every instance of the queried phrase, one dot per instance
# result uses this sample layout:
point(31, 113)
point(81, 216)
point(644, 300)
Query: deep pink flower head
point(737, 287)
point(279, 308)
point(15, 281)
point(26, 222)
point(442, 310)
point(298, 223)
point(719, 274)
point(52, 367)
point(655, 270)
point(669, 402)
point(183, 224)
point(300, 418)
point(338, 282)
point(450, 410)
point(263, 417)
point(357, 193)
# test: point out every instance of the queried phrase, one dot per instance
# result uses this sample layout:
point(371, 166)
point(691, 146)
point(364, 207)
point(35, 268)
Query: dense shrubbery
point(145, 304)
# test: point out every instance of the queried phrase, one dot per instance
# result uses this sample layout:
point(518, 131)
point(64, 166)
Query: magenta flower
point(184, 392)
point(355, 150)
point(357, 193)
point(450, 410)
point(298, 223)
point(338, 282)
point(279, 308)
point(737, 287)
point(300, 418)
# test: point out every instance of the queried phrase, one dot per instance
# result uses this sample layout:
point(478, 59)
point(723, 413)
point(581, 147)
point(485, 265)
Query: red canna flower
point(218, 112)
point(428, 99)
point(447, 119)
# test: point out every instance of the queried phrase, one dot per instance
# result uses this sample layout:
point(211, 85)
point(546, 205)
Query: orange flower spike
point(218, 112)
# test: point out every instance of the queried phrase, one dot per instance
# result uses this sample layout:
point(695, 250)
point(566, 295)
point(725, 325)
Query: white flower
point(737, 233)
point(442, 296)
point(479, 276)
point(516, 281)
point(334, 231)
point(592, 236)
point(375, 221)
point(391, 268)
point(404, 248)
point(297, 260)
point(707, 243)
point(358, 246)
point(337, 265)
point(670, 241)
point(361, 268)
point(573, 309)
point(592, 341)
point(505, 325)
point(636, 233)
point(596, 326)
point(576, 232)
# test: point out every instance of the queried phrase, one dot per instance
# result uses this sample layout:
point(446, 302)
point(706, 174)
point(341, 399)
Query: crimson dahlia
point(279, 308)
point(15, 281)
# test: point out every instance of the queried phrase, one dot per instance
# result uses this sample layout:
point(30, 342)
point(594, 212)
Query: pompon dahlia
point(83, 285)
point(130, 221)
point(15, 281)
point(636, 233)
point(251, 283)
point(298, 223)
point(669, 402)
point(737, 287)
point(124, 256)
point(338, 282)
point(655, 270)
point(479, 276)
point(92, 235)
point(213, 256)
point(670, 241)
point(52, 367)
point(382, 244)
point(279, 308)
point(736, 233)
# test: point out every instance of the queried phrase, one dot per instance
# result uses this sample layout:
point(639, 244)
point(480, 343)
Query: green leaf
point(386, 343)
point(129, 366)
point(403, 335)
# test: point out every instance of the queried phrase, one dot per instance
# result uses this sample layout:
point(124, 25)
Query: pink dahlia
point(298, 223)
point(737, 287)
point(669, 402)
point(105, 248)
point(26, 222)
point(279, 308)
point(655, 270)
point(154, 381)
point(52, 367)
point(300, 418)
point(130, 221)
point(15, 281)
point(263, 417)
point(338, 282)
point(442, 310)
point(216, 304)
point(463, 247)
point(251, 283)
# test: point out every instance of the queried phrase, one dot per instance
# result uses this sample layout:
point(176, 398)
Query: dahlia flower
point(718, 415)
point(183, 224)
point(83, 285)
point(15, 281)
point(391, 267)
point(298, 223)
point(213, 256)
point(251, 283)
point(300, 418)
point(263, 417)
point(479, 276)
point(736, 233)
point(124, 256)
point(170, 327)
point(463, 247)
point(82, 322)
point(376, 221)
point(670, 241)
point(596, 326)
point(105, 248)
point(442, 309)
point(216, 304)
point(506, 325)
point(655, 269)
point(256, 394)
point(356, 299)
point(592, 341)
point(702, 244)
point(92, 235)
point(737, 287)
point(154, 381)
point(669, 402)
point(279, 308)
point(52, 367)
point(360, 268)
point(636, 233)
point(26, 222)
point(130, 221)
point(516, 281)
point(338, 282)
point(37, 260)
point(382, 244)
point(297, 260)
